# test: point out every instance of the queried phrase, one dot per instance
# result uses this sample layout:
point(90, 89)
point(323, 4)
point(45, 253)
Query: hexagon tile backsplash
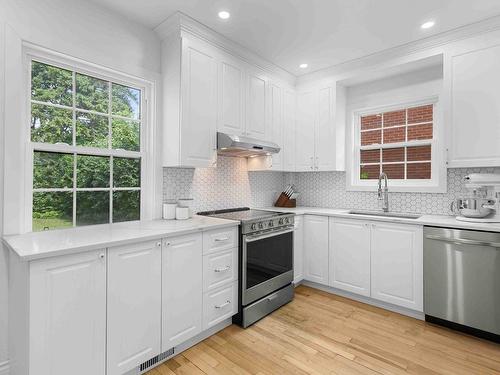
point(231, 185)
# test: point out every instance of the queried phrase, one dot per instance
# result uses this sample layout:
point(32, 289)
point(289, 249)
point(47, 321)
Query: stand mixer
point(483, 205)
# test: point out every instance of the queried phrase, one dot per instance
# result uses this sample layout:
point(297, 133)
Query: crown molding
point(179, 24)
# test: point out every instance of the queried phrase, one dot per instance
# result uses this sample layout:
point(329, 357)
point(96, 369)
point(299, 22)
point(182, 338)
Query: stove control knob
point(253, 226)
point(261, 225)
point(271, 224)
point(287, 220)
point(281, 222)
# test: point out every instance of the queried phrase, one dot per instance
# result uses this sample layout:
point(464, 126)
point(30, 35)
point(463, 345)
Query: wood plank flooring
point(320, 333)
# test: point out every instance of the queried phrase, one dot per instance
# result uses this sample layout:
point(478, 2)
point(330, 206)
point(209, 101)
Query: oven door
point(267, 263)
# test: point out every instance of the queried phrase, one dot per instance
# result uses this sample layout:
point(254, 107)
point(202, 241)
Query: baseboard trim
point(4, 368)
point(370, 301)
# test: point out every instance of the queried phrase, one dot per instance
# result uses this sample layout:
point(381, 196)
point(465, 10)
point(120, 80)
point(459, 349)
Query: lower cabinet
point(134, 305)
point(220, 304)
point(350, 255)
point(298, 250)
point(182, 289)
point(316, 248)
point(67, 319)
point(397, 264)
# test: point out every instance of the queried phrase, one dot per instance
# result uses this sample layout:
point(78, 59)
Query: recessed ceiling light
point(303, 66)
point(427, 25)
point(224, 14)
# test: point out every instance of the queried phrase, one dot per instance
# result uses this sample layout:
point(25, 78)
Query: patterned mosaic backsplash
point(228, 185)
point(327, 189)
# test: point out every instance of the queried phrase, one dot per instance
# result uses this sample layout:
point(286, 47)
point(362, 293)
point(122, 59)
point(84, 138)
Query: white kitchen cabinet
point(324, 151)
point(304, 131)
point(134, 305)
point(190, 105)
point(316, 248)
point(219, 269)
point(276, 124)
point(397, 264)
point(220, 304)
point(67, 320)
point(256, 107)
point(182, 289)
point(472, 79)
point(298, 249)
point(350, 255)
point(289, 121)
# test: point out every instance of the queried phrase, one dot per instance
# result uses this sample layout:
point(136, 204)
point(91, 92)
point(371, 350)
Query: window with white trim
point(85, 132)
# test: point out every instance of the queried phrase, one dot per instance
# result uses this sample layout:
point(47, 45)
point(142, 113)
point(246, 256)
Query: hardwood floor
point(320, 333)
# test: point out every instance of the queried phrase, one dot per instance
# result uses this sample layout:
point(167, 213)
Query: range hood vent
point(244, 147)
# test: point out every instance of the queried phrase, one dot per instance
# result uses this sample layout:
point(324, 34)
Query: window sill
point(399, 188)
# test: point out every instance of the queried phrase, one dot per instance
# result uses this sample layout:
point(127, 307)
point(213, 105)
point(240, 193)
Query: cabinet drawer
point(220, 239)
point(219, 269)
point(220, 304)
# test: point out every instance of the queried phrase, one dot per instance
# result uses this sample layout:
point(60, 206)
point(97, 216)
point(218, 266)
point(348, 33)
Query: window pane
point(395, 171)
point(371, 122)
point(92, 207)
point(126, 101)
point(126, 172)
point(92, 171)
point(126, 205)
point(92, 93)
point(50, 84)
point(91, 130)
point(419, 132)
point(420, 114)
point(418, 171)
point(394, 118)
point(420, 153)
point(369, 172)
point(51, 125)
point(52, 170)
point(370, 156)
point(394, 135)
point(52, 210)
point(126, 135)
point(371, 137)
point(393, 154)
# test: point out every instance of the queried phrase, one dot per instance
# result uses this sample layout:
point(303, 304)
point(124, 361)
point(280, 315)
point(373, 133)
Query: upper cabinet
point(256, 105)
point(231, 95)
point(276, 124)
point(472, 79)
point(289, 121)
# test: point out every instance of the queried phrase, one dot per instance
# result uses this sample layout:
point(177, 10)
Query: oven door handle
point(267, 235)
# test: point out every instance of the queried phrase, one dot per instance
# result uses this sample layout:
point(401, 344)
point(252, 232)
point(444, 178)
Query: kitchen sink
point(399, 215)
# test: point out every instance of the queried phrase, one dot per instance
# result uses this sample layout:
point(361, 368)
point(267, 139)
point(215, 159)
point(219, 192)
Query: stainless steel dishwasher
point(462, 280)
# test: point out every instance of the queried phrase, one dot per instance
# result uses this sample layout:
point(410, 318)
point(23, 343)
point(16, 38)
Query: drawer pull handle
point(223, 269)
point(221, 239)
point(223, 305)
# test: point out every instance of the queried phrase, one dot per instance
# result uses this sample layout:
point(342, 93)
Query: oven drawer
point(219, 269)
point(220, 304)
point(220, 239)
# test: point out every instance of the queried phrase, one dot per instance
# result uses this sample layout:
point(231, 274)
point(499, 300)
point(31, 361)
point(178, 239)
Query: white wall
point(79, 29)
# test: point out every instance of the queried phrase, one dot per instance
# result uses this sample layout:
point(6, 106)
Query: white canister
point(169, 210)
point(186, 202)
point(182, 213)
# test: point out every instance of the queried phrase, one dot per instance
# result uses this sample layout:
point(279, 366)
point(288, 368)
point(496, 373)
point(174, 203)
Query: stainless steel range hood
point(235, 145)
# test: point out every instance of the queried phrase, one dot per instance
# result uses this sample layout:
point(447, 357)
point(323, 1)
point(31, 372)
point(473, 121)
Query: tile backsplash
point(231, 185)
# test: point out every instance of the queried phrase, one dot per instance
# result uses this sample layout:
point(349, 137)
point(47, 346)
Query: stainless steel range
point(265, 261)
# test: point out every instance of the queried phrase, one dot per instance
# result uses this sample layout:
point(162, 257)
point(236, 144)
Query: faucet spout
point(383, 194)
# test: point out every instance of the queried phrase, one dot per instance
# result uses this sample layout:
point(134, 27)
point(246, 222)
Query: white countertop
point(432, 220)
point(36, 245)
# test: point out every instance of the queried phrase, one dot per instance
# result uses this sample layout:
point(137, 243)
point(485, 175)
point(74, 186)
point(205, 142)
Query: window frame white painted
point(146, 154)
point(437, 183)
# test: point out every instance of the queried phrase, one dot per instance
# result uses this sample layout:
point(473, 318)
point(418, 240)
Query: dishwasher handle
point(463, 241)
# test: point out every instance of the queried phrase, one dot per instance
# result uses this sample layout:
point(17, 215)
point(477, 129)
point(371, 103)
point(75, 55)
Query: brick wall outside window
point(411, 132)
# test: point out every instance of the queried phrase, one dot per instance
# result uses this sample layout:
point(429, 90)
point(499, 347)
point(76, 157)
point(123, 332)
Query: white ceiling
point(320, 32)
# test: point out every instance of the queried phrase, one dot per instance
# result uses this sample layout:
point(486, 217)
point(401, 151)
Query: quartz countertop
point(445, 221)
point(37, 245)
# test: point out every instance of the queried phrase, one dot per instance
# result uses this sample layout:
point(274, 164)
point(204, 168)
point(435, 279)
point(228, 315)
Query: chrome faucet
point(383, 195)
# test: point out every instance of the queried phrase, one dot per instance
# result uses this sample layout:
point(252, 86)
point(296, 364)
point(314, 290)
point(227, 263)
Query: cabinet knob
point(158, 244)
point(167, 243)
point(101, 256)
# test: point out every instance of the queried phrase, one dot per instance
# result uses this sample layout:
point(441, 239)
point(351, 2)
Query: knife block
point(284, 201)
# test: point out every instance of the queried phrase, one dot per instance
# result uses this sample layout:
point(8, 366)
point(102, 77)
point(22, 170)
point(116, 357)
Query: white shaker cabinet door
point(256, 107)
point(298, 250)
point(316, 248)
point(325, 131)
point(397, 264)
point(231, 93)
point(304, 131)
point(68, 315)
point(350, 255)
point(289, 117)
point(134, 305)
point(276, 125)
point(182, 289)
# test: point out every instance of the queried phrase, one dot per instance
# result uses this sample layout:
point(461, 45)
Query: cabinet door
point(350, 255)
point(68, 314)
point(276, 124)
point(316, 248)
point(256, 118)
point(304, 131)
point(199, 110)
point(182, 290)
point(325, 131)
point(134, 305)
point(474, 122)
point(397, 264)
point(289, 110)
point(298, 250)
point(231, 93)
